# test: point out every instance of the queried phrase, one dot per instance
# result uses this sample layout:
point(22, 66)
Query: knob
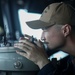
point(18, 65)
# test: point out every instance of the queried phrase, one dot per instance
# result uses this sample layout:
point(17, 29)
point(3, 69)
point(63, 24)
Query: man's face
point(54, 36)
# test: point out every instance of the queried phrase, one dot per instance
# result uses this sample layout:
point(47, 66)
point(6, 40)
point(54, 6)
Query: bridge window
point(24, 16)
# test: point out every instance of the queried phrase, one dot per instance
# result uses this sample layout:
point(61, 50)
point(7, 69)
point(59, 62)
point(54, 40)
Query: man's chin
point(54, 48)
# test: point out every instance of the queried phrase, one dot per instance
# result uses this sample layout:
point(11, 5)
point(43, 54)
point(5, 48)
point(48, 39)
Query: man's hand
point(35, 53)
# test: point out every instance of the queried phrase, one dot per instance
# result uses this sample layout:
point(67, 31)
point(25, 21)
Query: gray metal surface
point(11, 61)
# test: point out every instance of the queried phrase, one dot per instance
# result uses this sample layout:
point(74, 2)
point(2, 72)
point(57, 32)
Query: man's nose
point(43, 36)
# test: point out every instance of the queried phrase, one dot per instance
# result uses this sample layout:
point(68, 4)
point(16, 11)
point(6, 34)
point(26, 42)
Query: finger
point(24, 45)
point(38, 43)
point(27, 36)
point(21, 53)
point(27, 42)
point(23, 48)
point(21, 38)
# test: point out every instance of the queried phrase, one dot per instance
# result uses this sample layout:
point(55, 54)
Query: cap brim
point(37, 24)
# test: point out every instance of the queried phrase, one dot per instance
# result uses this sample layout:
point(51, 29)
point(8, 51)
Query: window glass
point(24, 16)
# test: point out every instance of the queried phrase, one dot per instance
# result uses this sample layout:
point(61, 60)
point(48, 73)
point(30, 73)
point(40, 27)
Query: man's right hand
point(35, 53)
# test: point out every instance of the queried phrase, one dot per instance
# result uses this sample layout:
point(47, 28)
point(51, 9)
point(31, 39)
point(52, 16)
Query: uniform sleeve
point(47, 70)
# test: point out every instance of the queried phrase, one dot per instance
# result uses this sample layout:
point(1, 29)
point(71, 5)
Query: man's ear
point(66, 29)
